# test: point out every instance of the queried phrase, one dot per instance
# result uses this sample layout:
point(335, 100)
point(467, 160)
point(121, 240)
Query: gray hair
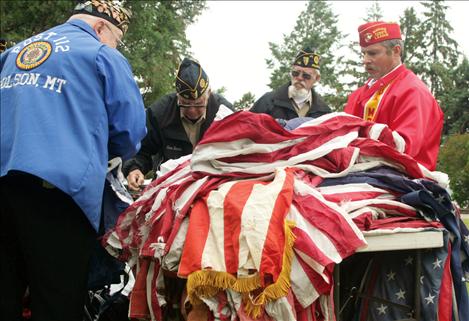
point(389, 44)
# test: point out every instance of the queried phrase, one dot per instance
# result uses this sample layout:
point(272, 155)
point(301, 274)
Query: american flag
point(253, 221)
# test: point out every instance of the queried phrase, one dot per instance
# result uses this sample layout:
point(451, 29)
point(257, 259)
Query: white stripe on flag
point(256, 216)
point(213, 255)
point(207, 162)
point(301, 285)
point(321, 240)
point(305, 189)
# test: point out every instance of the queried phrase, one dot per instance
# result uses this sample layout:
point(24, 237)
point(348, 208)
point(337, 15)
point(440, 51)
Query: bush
point(454, 160)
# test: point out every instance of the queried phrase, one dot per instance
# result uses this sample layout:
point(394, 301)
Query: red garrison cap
point(377, 31)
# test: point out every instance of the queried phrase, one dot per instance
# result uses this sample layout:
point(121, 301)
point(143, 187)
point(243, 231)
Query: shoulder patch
point(33, 55)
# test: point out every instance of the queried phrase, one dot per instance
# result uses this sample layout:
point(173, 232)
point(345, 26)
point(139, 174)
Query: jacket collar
point(280, 98)
point(84, 26)
point(173, 124)
point(385, 80)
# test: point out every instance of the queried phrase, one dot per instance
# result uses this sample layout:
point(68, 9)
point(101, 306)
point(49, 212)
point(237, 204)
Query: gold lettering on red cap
point(380, 33)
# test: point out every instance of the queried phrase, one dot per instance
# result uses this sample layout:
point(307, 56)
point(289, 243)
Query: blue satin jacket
point(68, 104)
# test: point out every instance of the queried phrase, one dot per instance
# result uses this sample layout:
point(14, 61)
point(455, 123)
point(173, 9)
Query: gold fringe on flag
point(280, 288)
point(247, 284)
point(207, 283)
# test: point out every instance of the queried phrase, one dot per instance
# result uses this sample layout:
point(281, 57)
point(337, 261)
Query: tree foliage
point(454, 160)
point(455, 99)
point(220, 91)
point(374, 12)
point(353, 74)
point(316, 27)
point(433, 55)
point(154, 45)
point(246, 101)
point(440, 50)
point(22, 19)
point(413, 39)
point(156, 42)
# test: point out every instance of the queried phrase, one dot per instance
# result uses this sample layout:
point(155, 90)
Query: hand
point(135, 179)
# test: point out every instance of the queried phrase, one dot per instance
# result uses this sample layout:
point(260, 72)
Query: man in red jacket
point(394, 95)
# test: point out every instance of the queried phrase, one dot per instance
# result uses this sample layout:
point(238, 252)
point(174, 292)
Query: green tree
point(22, 19)
point(220, 91)
point(316, 27)
point(246, 101)
point(439, 59)
point(374, 12)
point(456, 100)
point(353, 74)
point(454, 160)
point(154, 45)
point(413, 40)
point(156, 42)
point(440, 52)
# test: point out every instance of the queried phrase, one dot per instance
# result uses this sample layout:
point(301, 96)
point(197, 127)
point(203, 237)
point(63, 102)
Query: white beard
point(299, 95)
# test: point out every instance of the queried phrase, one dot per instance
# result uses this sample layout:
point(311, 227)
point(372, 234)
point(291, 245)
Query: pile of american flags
point(258, 216)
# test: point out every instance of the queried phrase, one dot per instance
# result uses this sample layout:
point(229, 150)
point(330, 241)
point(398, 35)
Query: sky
point(231, 38)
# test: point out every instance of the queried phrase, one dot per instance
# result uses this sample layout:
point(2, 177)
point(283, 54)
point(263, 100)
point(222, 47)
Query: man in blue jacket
point(69, 103)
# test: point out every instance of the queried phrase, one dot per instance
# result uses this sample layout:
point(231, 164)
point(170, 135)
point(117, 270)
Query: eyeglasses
point(304, 75)
point(193, 106)
point(120, 43)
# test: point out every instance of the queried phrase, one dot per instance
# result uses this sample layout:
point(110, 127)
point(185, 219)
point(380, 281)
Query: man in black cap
point(297, 98)
point(176, 122)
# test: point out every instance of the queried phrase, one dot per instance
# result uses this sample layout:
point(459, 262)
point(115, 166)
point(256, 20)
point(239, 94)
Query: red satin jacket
point(408, 107)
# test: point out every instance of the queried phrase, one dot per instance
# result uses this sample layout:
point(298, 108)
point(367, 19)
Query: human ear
point(99, 27)
point(317, 77)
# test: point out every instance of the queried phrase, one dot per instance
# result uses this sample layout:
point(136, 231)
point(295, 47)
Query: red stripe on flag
point(370, 147)
point(304, 244)
point(203, 190)
point(138, 307)
point(274, 245)
point(238, 124)
point(321, 286)
point(233, 208)
point(197, 233)
point(310, 143)
point(401, 222)
point(330, 222)
point(445, 302)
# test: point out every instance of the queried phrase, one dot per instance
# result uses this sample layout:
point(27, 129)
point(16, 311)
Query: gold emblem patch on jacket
point(33, 55)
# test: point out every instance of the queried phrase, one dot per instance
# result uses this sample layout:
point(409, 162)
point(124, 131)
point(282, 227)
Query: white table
point(403, 241)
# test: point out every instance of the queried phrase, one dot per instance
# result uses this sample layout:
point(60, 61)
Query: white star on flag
point(440, 198)
point(437, 263)
point(466, 239)
point(400, 295)
point(409, 260)
point(429, 299)
point(391, 275)
point(421, 279)
point(382, 309)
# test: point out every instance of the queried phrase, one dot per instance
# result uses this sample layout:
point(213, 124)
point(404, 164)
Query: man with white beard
point(297, 98)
